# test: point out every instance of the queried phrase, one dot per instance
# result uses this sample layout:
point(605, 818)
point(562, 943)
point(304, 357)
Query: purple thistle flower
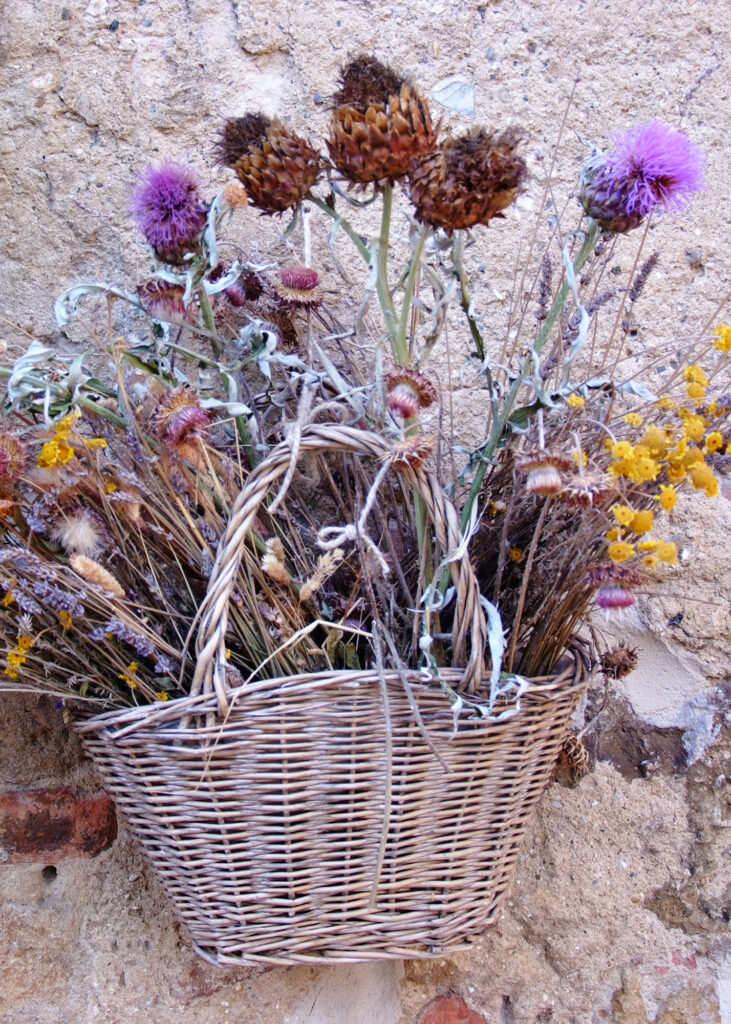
point(652, 165)
point(168, 210)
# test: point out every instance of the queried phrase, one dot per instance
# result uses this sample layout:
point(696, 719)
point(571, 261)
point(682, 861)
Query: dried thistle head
point(169, 210)
point(544, 469)
point(613, 582)
point(276, 166)
point(411, 452)
point(178, 417)
point(586, 490)
point(468, 180)
point(380, 123)
point(298, 287)
point(619, 662)
point(408, 391)
point(163, 300)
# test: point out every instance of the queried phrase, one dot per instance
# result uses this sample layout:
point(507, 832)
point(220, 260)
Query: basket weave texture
point(309, 819)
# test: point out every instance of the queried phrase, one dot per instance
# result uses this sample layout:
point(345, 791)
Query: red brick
point(449, 1010)
point(50, 824)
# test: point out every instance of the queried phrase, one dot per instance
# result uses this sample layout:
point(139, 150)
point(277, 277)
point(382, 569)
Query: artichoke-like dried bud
point(380, 124)
point(619, 662)
point(544, 469)
point(468, 180)
point(276, 166)
point(407, 391)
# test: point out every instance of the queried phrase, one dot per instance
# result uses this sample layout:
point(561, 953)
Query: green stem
point(208, 320)
point(499, 424)
point(343, 223)
point(403, 325)
point(400, 355)
point(245, 437)
point(464, 295)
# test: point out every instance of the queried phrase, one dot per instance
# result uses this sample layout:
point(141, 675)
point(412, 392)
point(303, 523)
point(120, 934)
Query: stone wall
point(619, 911)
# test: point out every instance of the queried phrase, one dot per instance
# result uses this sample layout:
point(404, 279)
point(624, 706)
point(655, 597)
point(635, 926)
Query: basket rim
point(571, 677)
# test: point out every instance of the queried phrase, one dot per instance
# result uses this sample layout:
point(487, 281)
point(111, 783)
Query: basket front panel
point(298, 828)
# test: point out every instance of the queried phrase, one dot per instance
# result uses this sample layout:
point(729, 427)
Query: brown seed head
point(380, 124)
point(468, 180)
point(365, 82)
point(276, 166)
point(619, 662)
point(584, 491)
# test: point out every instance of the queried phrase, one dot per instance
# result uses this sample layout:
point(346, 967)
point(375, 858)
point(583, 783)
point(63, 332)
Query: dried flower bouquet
point(119, 468)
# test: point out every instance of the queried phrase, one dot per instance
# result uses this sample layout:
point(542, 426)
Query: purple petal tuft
point(168, 210)
point(653, 165)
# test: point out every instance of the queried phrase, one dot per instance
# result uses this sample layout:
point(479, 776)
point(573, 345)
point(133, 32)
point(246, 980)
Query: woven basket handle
point(469, 622)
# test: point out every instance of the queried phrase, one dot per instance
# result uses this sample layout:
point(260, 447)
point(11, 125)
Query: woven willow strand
point(469, 629)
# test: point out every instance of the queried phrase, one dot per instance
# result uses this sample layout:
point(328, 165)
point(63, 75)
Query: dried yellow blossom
point(667, 497)
point(622, 450)
point(702, 477)
point(714, 441)
point(516, 554)
point(642, 521)
point(694, 428)
point(613, 534)
point(665, 402)
point(722, 338)
point(647, 545)
point(620, 551)
point(633, 418)
point(667, 551)
point(623, 514)
point(645, 468)
point(575, 401)
point(695, 390)
point(650, 560)
point(656, 439)
point(694, 374)
point(128, 676)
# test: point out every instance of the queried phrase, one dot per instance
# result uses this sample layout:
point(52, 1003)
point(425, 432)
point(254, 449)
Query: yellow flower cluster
point(16, 658)
point(667, 452)
point(57, 451)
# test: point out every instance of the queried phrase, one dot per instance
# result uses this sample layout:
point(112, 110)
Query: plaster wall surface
point(620, 907)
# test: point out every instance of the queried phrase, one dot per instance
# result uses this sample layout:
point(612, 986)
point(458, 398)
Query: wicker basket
point(309, 819)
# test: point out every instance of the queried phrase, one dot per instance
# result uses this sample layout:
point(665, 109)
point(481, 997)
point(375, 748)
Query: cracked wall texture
point(619, 911)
